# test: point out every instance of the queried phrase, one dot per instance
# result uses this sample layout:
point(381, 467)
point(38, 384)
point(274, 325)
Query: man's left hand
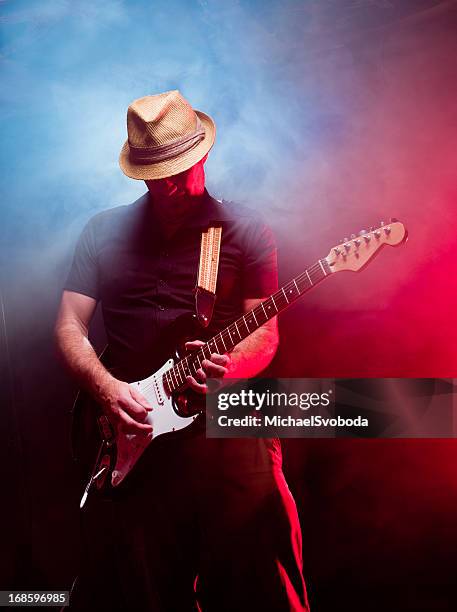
point(215, 367)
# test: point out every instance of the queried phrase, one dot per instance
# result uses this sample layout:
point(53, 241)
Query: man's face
point(190, 183)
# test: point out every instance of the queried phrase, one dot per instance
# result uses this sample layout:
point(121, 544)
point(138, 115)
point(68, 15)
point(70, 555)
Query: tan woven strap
point(209, 259)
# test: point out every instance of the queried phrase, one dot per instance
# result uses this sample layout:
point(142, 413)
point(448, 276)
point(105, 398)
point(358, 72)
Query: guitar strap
point(205, 291)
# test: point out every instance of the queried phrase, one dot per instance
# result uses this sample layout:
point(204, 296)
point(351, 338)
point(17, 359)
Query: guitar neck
point(228, 338)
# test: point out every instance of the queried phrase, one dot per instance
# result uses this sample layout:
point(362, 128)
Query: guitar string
point(179, 375)
point(197, 356)
point(309, 275)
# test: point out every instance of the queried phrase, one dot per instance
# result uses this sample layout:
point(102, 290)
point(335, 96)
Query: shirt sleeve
point(260, 268)
point(84, 277)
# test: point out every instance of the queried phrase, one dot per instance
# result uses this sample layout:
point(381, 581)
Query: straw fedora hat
point(165, 136)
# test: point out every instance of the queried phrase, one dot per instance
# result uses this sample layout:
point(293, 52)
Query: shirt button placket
point(163, 254)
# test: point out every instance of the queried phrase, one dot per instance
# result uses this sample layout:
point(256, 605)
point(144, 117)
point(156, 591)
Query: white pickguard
point(163, 419)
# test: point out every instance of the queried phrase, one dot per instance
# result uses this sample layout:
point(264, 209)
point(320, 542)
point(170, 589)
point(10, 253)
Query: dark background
point(331, 116)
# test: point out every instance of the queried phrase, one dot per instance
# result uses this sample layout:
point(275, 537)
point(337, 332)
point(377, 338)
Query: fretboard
point(223, 342)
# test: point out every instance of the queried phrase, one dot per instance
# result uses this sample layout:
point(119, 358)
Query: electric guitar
point(112, 455)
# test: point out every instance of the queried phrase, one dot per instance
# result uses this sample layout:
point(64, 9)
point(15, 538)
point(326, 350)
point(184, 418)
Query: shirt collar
point(209, 211)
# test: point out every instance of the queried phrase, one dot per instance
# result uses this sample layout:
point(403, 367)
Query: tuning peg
point(377, 234)
point(362, 232)
point(387, 230)
point(357, 242)
point(346, 239)
point(347, 246)
point(393, 220)
point(336, 250)
point(367, 237)
point(372, 229)
point(352, 236)
point(382, 223)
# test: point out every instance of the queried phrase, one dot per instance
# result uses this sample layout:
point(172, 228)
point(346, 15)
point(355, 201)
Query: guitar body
point(108, 455)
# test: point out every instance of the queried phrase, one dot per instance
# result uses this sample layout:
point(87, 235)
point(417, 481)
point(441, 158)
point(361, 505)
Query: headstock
point(354, 252)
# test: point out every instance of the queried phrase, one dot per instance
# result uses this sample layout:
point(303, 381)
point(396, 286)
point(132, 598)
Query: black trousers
point(199, 524)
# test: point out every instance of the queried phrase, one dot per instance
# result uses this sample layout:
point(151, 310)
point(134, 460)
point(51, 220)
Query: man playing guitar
point(200, 523)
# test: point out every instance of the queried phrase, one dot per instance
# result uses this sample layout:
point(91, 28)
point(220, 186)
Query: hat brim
point(169, 167)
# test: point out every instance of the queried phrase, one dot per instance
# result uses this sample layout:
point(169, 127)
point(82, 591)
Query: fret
point(167, 380)
point(259, 314)
point(316, 277)
point(222, 338)
point(296, 287)
point(322, 267)
point(180, 380)
point(274, 303)
point(301, 280)
point(245, 322)
point(173, 377)
point(236, 325)
point(253, 314)
point(232, 339)
point(290, 291)
point(185, 367)
point(192, 361)
point(232, 342)
point(269, 305)
point(285, 296)
point(181, 369)
point(193, 364)
point(264, 311)
point(310, 281)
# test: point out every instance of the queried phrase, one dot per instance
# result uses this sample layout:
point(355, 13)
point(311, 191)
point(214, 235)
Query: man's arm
point(250, 357)
point(126, 406)
point(253, 354)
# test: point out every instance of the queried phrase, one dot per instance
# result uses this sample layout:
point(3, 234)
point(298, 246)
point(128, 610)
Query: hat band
point(152, 155)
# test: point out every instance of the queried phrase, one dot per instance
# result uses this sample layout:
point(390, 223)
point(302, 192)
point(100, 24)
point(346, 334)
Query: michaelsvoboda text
point(277, 420)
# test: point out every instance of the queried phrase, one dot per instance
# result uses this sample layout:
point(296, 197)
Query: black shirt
point(145, 281)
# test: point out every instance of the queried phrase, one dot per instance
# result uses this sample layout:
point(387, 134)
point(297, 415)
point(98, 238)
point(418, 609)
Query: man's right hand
point(126, 408)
